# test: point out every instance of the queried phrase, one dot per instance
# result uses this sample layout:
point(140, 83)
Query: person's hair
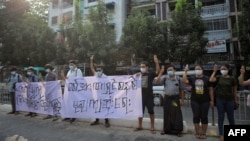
point(73, 61)
point(199, 66)
point(49, 66)
point(13, 68)
point(227, 66)
point(145, 63)
point(171, 66)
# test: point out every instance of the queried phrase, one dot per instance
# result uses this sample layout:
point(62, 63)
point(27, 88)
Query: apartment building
point(220, 18)
point(61, 11)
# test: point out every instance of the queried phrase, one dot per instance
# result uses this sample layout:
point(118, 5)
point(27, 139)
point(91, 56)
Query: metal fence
point(242, 114)
point(4, 96)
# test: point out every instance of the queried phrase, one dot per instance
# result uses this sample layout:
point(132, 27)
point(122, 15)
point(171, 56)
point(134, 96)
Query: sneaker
point(72, 120)
point(29, 114)
point(107, 125)
point(48, 117)
point(94, 123)
point(11, 113)
point(55, 119)
point(17, 113)
point(66, 119)
point(34, 115)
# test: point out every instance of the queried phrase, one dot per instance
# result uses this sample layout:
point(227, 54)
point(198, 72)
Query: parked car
point(158, 93)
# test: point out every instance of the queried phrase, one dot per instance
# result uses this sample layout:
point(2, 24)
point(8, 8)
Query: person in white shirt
point(99, 73)
point(74, 71)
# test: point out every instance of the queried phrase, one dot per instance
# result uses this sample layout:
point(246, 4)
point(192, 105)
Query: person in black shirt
point(147, 92)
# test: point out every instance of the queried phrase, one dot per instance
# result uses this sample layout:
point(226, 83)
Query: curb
point(132, 123)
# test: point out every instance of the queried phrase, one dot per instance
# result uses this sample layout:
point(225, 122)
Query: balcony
point(215, 10)
point(218, 35)
point(142, 2)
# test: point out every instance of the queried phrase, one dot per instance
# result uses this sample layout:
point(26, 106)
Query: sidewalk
point(132, 122)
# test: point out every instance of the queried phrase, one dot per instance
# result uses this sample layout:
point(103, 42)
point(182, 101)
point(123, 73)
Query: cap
point(31, 68)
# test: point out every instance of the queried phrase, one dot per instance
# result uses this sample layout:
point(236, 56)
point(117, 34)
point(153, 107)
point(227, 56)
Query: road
point(21, 128)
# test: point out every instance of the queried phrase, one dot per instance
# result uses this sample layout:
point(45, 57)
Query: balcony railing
point(220, 9)
point(140, 2)
point(218, 34)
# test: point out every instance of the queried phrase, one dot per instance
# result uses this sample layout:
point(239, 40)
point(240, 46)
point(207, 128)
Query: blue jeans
point(200, 112)
point(224, 106)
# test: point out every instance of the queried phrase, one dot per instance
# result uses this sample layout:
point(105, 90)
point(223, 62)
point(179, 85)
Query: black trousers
point(13, 101)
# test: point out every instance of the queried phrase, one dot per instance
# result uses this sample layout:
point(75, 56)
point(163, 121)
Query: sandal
point(197, 136)
point(152, 131)
point(203, 136)
point(179, 135)
point(138, 129)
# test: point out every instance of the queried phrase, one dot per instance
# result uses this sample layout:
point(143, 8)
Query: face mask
point(198, 72)
point(224, 72)
point(13, 72)
point(170, 73)
point(28, 73)
point(71, 67)
point(98, 73)
point(47, 70)
point(143, 70)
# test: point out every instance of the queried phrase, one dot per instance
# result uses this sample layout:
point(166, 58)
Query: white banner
point(39, 97)
point(216, 46)
point(105, 97)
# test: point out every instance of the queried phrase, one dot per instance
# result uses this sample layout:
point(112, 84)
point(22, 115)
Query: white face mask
point(28, 73)
point(170, 73)
point(47, 70)
point(198, 72)
point(13, 72)
point(224, 72)
point(143, 70)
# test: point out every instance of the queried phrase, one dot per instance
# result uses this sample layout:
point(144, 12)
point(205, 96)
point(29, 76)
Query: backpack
point(14, 84)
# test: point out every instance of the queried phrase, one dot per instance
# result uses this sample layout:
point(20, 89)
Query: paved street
point(21, 128)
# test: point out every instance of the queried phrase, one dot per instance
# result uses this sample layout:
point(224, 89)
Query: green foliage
point(26, 39)
point(244, 29)
point(143, 36)
point(187, 29)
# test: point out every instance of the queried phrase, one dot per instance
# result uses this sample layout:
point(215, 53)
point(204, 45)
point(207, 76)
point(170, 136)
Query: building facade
point(220, 18)
point(61, 11)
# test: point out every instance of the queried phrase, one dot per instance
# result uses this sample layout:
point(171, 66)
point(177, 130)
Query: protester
point(172, 114)
point(31, 77)
point(74, 71)
point(147, 92)
point(13, 78)
point(201, 98)
point(50, 76)
point(241, 77)
point(98, 72)
point(226, 96)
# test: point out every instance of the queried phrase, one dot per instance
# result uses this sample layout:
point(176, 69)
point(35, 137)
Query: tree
point(11, 14)
point(143, 36)
point(26, 38)
point(244, 30)
point(39, 8)
point(187, 43)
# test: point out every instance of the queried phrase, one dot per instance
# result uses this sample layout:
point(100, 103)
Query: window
point(89, 1)
point(161, 9)
point(67, 17)
point(216, 24)
point(67, 3)
point(54, 20)
point(54, 4)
